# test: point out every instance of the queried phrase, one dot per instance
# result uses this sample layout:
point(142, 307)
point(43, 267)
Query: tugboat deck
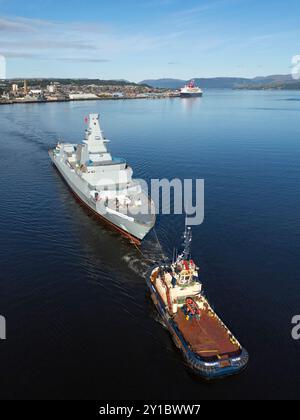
point(206, 336)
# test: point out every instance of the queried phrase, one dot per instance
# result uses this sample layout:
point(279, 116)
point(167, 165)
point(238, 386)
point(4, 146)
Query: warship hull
point(132, 230)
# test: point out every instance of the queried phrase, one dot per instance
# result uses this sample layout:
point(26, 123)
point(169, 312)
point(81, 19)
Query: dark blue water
point(80, 323)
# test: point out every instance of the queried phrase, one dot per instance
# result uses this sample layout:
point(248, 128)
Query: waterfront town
point(64, 90)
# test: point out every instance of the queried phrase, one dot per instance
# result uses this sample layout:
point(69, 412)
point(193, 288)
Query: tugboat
point(207, 345)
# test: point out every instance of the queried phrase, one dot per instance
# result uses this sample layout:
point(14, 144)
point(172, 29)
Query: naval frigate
point(104, 184)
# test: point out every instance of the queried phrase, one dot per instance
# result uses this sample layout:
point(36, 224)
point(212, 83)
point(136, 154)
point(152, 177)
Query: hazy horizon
point(139, 81)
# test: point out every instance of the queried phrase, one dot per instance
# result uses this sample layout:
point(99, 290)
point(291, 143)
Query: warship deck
point(206, 336)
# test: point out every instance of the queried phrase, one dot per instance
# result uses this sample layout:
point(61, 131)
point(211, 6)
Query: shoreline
point(84, 99)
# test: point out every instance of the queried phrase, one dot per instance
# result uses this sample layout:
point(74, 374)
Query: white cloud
point(34, 38)
point(14, 25)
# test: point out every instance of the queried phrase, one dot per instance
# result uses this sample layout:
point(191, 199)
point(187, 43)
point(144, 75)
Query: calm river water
point(80, 323)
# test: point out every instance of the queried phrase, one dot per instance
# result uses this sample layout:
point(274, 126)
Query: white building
point(51, 88)
point(82, 96)
point(15, 88)
point(36, 92)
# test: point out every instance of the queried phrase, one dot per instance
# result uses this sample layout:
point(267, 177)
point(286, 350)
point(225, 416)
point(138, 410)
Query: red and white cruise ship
point(191, 91)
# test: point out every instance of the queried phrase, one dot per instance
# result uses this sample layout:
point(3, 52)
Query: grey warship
point(104, 184)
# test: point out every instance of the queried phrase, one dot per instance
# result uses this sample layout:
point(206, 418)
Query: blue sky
point(135, 40)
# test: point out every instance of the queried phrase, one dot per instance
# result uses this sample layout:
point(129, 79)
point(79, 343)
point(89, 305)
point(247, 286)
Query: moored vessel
point(191, 90)
point(104, 184)
point(208, 346)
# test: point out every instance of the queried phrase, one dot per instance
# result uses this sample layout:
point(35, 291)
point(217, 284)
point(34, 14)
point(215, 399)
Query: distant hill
point(261, 82)
point(264, 82)
point(273, 79)
point(43, 82)
point(271, 82)
point(164, 83)
point(216, 82)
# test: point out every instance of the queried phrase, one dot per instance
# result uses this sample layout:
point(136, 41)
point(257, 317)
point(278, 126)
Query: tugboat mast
point(187, 243)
